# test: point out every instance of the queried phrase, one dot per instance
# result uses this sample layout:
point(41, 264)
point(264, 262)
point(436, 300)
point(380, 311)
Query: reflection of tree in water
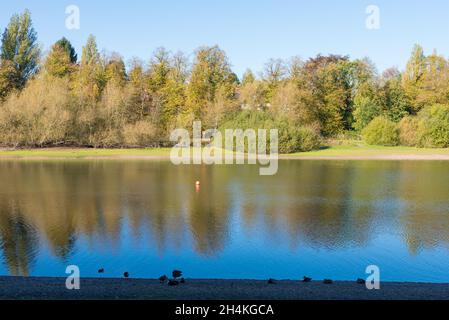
point(322, 204)
point(63, 245)
point(313, 203)
point(338, 204)
point(19, 241)
point(155, 198)
point(423, 231)
point(209, 211)
point(425, 220)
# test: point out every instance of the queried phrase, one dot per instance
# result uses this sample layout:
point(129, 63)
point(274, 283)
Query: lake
point(324, 219)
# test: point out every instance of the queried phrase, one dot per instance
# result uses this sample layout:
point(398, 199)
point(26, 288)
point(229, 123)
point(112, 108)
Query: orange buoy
point(197, 186)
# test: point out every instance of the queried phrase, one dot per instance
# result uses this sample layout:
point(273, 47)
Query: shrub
point(434, 127)
point(140, 134)
point(38, 116)
point(381, 131)
point(297, 139)
point(292, 138)
point(409, 131)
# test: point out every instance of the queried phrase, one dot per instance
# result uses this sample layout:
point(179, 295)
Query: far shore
point(336, 152)
point(22, 288)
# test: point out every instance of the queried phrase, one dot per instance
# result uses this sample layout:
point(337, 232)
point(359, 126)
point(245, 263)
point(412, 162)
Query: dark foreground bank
point(54, 288)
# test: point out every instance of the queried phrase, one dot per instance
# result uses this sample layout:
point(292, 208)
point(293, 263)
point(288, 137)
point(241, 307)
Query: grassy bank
point(77, 153)
point(346, 151)
point(353, 150)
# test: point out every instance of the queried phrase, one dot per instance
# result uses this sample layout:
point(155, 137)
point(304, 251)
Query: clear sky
point(250, 31)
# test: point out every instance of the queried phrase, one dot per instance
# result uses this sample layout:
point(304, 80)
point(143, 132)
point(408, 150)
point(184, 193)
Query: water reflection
point(332, 206)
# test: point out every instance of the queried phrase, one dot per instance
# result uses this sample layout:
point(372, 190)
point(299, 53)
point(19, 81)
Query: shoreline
point(42, 288)
point(345, 152)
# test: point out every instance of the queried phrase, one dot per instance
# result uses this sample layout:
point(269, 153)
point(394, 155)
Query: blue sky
point(250, 31)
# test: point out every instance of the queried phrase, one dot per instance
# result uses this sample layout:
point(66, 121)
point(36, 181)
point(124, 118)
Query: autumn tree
point(295, 68)
point(91, 78)
point(274, 72)
point(173, 92)
point(211, 73)
point(327, 80)
point(435, 81)
point(248, 77)
point(412, 78)
point(7, 78)
point(115, 70)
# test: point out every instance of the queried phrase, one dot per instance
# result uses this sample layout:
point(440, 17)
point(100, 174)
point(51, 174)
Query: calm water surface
point(324, 219)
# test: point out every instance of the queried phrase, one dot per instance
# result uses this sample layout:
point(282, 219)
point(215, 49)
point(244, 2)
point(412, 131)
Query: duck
point(177, 274)
point(163, 279)
point(126, 274)
point(101, 270)
point(173, 283)
point(183, 280)
point(307, 279)
point(271, 281)
point(328, 281)
point(361, 281)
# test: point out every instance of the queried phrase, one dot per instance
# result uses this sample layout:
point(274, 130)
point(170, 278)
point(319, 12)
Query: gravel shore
point(98, 289)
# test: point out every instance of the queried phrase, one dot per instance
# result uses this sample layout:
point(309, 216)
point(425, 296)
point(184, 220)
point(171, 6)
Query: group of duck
point(177, 274)
point(177, 277)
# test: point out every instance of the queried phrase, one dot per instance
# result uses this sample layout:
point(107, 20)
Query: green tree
point(397, 105)
point(70, 50)
point(367, 106)
point(19, 46)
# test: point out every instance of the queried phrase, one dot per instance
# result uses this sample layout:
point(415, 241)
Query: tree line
point(98, 100)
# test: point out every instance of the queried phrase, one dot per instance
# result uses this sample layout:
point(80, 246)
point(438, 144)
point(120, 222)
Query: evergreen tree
point(19, 46)
point(64, 43)
point(58, 62)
